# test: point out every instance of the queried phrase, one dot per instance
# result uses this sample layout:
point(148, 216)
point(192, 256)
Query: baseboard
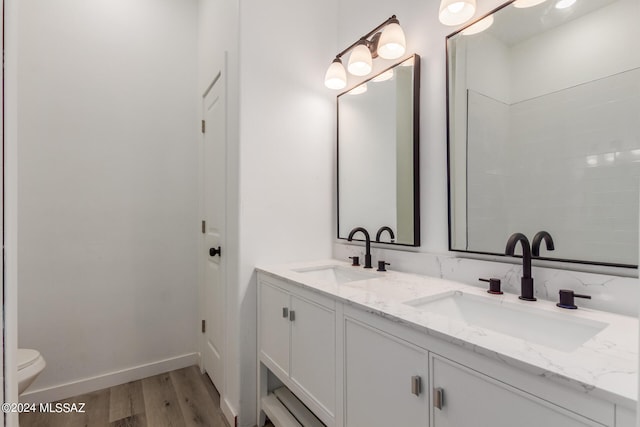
point(87, 385)
point(228, 412)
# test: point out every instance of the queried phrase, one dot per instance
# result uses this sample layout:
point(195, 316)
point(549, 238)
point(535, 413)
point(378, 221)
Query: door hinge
point(204, 226)
point(204, 326)
point(203, 126)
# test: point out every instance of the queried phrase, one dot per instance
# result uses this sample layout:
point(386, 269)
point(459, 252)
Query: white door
point(213, 248)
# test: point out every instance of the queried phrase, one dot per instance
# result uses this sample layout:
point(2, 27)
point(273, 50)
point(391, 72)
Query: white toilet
point(30, 364)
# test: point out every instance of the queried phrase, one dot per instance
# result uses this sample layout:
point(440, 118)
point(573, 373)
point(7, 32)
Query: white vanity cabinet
point(464, 397)
point(457, 388)
point(297, 343)
point(358, 359)
point(386, 381)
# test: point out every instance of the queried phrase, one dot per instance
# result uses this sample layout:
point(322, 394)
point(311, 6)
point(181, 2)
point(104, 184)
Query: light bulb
point(360, 62)
point(456, 7)
point(392, 44)
point(456, 12)
point(336, 76)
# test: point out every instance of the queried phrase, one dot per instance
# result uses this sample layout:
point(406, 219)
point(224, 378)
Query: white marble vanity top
point(605, 365)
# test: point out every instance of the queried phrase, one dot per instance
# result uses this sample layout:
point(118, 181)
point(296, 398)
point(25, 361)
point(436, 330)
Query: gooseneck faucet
point(383, 229)
point(367, 255)
point(537, 239)
point(526, 282)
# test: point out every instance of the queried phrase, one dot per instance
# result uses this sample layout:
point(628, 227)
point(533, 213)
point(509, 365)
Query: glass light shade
point(456, 12)
point(392, 44)
point(358, 89)
point(336, 76)
point(563, 4)
point(479, 26)
point(387, 75)
point(360, 61)
point(527, 3)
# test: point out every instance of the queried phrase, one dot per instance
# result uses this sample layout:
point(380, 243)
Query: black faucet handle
point(355, 261)
point(494, 286)
point(566, 299)
point(382, 265)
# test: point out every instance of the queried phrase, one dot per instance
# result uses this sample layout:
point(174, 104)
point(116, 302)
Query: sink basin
point(555, 330)
point(336, 274)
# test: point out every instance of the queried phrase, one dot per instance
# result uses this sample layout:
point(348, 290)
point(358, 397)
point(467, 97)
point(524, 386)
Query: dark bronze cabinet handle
point(215, 251)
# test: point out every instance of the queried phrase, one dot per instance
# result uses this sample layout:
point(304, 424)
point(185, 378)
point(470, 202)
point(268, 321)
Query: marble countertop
point(604, 366)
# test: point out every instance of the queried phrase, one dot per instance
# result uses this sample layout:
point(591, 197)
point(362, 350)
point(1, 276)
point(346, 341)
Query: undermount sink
point(336, 274)
point(554, 330)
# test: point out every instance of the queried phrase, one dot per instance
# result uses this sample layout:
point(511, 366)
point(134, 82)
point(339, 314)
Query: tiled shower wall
point(567, 162)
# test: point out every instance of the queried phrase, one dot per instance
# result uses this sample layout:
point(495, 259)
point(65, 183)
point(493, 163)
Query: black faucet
point(367, 255)
point(381, 230)
point(537, 239)
point(526, 283)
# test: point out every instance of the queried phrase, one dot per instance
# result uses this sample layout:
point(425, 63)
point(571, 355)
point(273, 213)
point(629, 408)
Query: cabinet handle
point(438, 397)
point(285, 312)
point(416, 385)
point(292, 315)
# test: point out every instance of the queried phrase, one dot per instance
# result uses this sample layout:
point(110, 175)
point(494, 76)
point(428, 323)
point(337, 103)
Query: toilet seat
point(27, 357)
point(30, 364)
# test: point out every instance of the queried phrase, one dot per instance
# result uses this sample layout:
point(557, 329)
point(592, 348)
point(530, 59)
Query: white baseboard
point(228, 411)
point(87, 385)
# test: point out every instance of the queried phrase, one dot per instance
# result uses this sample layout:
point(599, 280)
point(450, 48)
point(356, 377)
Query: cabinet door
point(381, 374)
point(473, 399)
point(313, 351)
point(274, 327)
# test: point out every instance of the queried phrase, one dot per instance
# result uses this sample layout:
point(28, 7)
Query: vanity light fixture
point(360, 61)
point(386, 41)
point(336, 76)
point(456, 12)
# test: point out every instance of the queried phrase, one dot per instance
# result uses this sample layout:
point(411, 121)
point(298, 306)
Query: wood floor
point(178, 398)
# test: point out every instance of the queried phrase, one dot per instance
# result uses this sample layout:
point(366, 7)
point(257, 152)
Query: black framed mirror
point(378, 156)
point(544, 130)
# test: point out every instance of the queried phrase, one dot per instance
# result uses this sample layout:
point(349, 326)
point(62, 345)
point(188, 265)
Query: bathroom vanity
point(364, 348)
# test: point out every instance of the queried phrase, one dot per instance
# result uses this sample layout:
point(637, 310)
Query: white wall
point(107, 197)
point(281, 139)
point(287, 144)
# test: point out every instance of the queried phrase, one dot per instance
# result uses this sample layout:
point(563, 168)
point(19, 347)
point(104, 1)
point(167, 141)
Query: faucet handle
point(381, 266)
point(494, 286)
point(356, 261)
point(566, 299)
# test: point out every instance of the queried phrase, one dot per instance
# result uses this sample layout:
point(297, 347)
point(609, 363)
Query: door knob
point(215, 251)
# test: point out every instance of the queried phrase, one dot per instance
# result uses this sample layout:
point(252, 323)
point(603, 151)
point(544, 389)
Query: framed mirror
point(378, 157)
point(544, 129)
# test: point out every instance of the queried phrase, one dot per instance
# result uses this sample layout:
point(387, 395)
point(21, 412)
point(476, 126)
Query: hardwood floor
point(178, 398)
